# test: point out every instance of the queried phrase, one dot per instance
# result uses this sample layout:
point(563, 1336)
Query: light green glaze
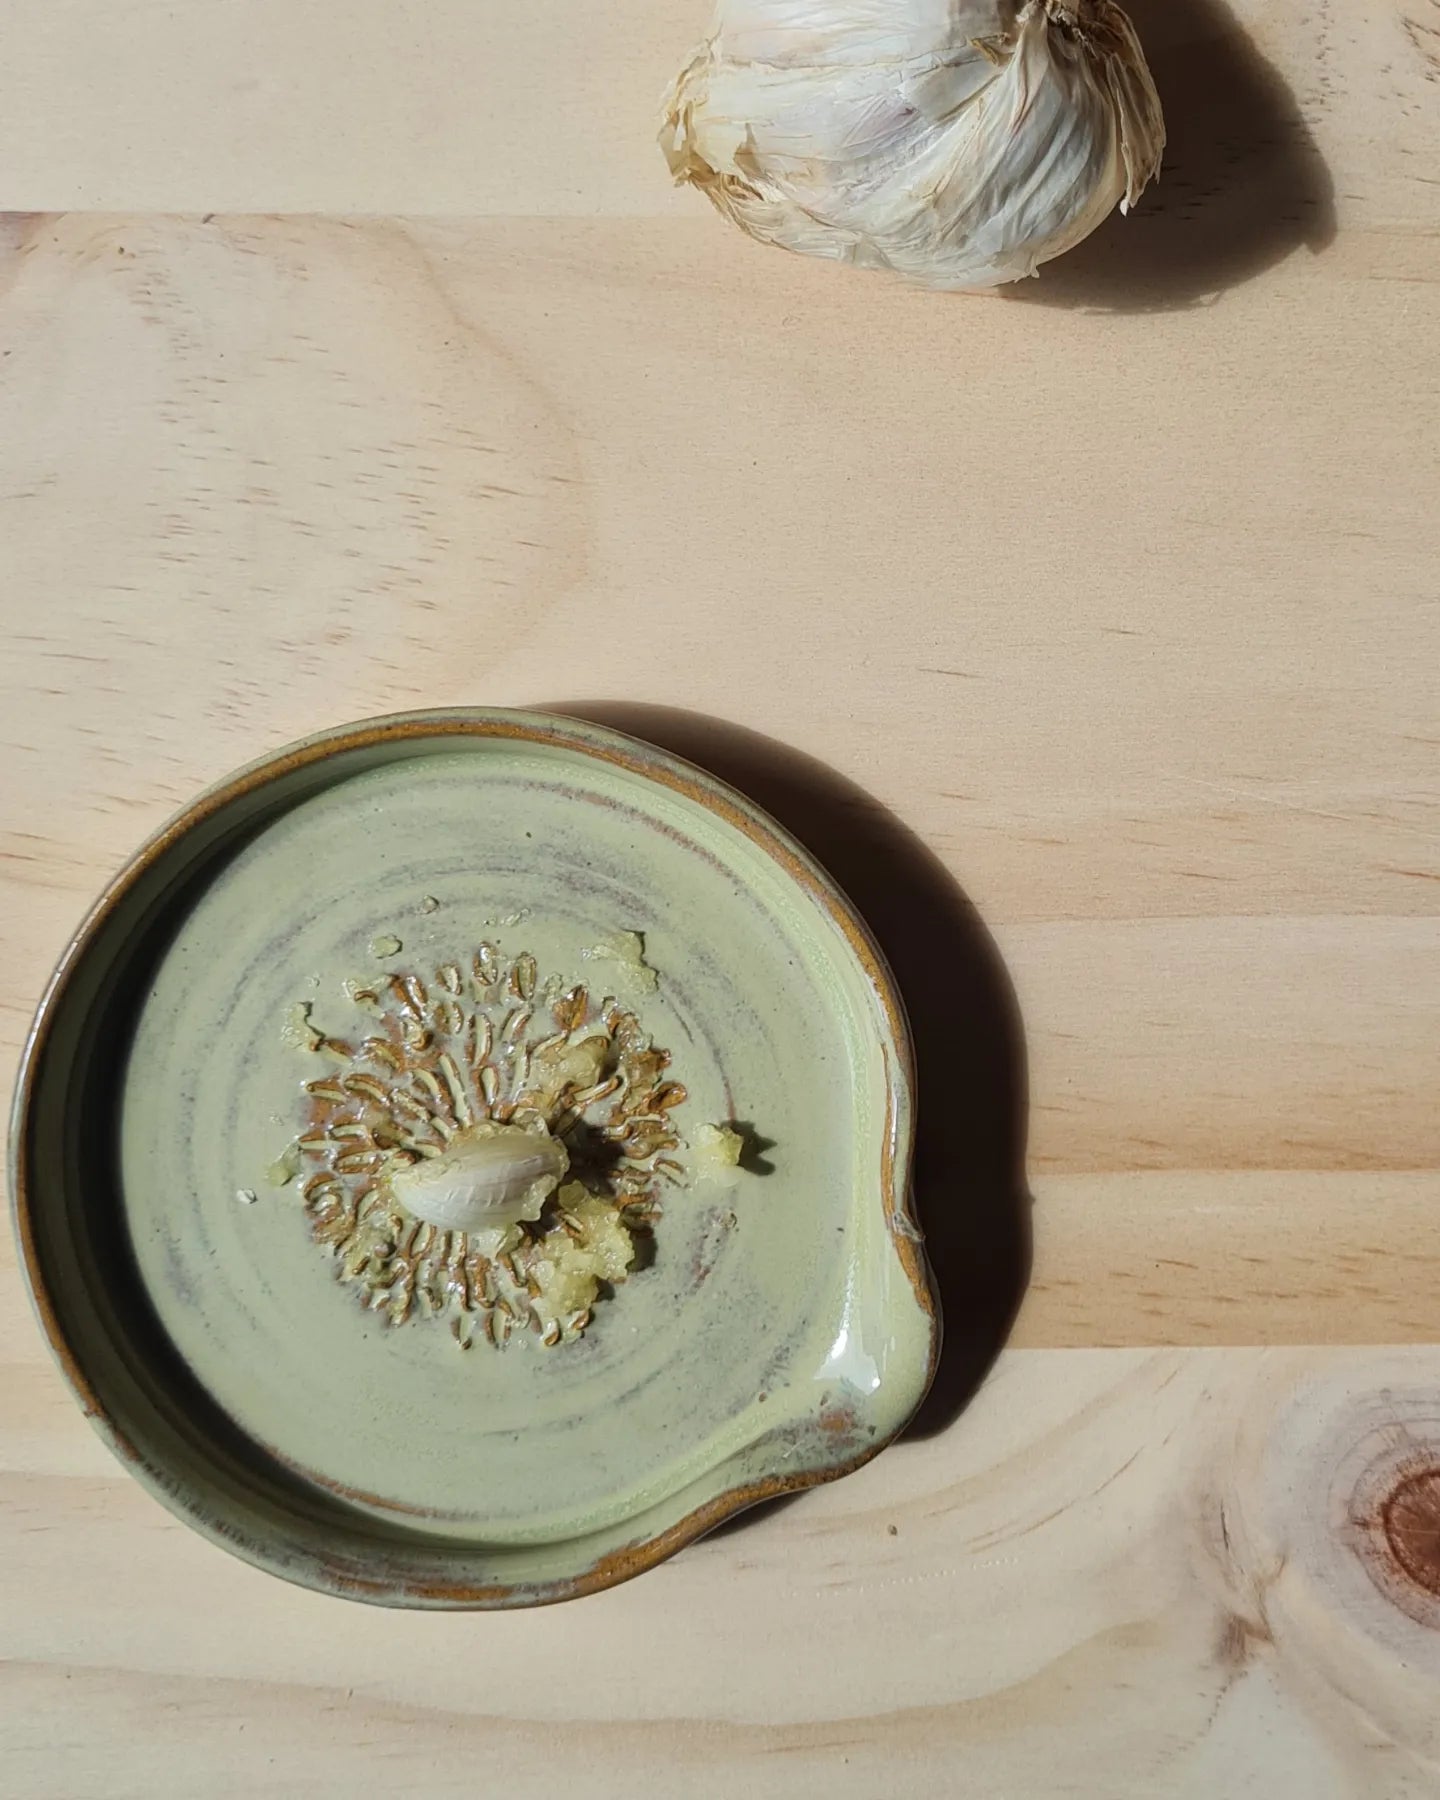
point(792, 1340)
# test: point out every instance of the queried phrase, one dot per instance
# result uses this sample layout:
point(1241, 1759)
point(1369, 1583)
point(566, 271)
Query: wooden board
point(1113, 603)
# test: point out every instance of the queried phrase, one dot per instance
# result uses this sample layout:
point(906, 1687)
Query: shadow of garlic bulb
point(438, 1151)
point(961, 143)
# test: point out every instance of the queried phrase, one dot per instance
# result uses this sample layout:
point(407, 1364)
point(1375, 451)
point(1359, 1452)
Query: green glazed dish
point(346, 969)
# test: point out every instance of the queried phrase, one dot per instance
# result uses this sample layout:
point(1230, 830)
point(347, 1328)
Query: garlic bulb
point(958, 142)
point(488, 1178)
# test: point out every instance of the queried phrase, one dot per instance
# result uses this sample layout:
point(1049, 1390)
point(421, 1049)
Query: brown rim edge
point(650, 763)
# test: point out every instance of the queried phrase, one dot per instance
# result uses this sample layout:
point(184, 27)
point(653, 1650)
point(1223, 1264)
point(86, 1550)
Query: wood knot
point(1394, 1520)
point(1239, 1639)
point(1410, 1521)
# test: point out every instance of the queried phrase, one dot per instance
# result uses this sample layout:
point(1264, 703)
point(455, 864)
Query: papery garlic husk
point(960, 143)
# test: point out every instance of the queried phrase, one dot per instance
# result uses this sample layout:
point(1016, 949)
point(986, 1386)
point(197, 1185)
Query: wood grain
point(1119, 594)
point(329, 468)
point(1120, 1577)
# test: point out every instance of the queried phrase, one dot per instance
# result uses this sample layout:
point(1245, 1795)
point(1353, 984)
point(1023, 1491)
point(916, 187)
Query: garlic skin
point(487, 1179)
point(960, 143)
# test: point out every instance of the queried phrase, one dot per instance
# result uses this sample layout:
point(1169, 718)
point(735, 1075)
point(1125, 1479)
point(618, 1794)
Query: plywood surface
point(1113, 604)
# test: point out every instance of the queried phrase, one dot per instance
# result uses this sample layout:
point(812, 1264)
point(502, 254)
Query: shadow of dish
point(970, 1190)
point(1242, 186)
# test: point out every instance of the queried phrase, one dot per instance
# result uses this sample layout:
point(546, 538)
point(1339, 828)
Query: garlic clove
point(958, 142)
point(488, 1177)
